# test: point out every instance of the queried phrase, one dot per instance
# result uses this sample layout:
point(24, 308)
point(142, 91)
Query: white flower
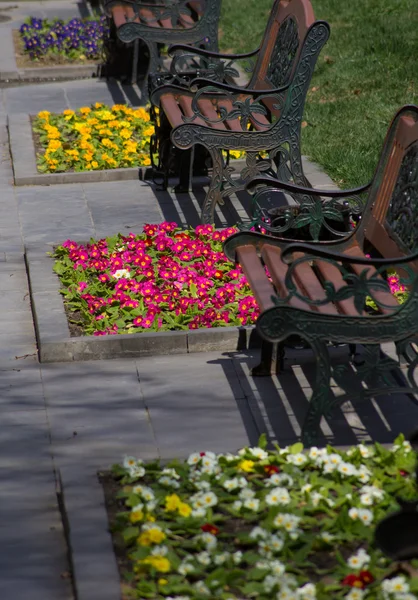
point(396, 585)
point(365, 515)
point(277, 496)
point(148, 494)
point(204, 558)
point(209, 499)
point(365, 451)
point(198, 512)
point(335, 459)
point(129, 462)
point(269, 582)
point(138, 489)
point(289, 522)
point(258, 532)
point(208, 539)
point(121, 273)
point(137, 472)
point(171, 473)
point(363, 473)
point(316, 497)
point(276, 543)
point(286, 594)
point(246, 493)
point(229, 457)
point(366, 499)
point(329, 467)
point(306, 488)
point(231, 484)
point(346, 469)
point(314, 453)
point(159, 550)
point(252, 504)
point(219, 559)
point(237, 505)
point(327, 537)
point(264, 548)
point(258, 453)
point(202, 485)
point(185, 567)
point(237, 557)
point(355, 594)
point(277, 568)
point(279, 478)
point(407, 446)
point(353, 513)
point(263, 565)
point(242, 482)
point(307, 591)
point(298, 459)
point(193, 459)
point(201, 588)
point(168, 482)
point(373, 490)
point(357, 561)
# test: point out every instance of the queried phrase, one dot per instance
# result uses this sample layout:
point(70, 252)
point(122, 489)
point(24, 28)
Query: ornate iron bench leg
point(135, 62)
point(321, 401)
point(186, 171)
point(214, 194)
point(272, 359)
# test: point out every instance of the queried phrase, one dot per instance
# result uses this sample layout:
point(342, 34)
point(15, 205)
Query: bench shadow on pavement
point(278, 404)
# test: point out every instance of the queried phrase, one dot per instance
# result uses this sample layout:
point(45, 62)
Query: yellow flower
point(146, 161)
point(136, 515)
point(107, 143)
point(98, 105)
point(184, 509)
point(125, 133)
point(149, 131)
point(52, 167)
point(68, 114)
point(151, 536)
point(141, 113)
point(236, 153)
point(246, 465)
point(160, 563)
point(54, 145)
point(162, 581)
point(44, 114)
point(88, 156)
point(94, 164)
point(85, 110)
point(105, 115)
point(172, 502)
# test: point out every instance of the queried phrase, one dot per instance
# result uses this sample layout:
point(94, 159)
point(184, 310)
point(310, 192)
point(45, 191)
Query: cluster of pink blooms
point(395, 286)
point(165, 278)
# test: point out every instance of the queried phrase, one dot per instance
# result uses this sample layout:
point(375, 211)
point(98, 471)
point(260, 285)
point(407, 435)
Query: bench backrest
point(282, 42)
point(390, 219)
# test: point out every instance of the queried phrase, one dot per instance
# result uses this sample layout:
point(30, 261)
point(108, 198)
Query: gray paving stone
point(193, 412)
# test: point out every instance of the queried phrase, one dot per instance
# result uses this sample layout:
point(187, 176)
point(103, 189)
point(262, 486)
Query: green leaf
point(130, 533)
point(262, 441)
point(296, 448)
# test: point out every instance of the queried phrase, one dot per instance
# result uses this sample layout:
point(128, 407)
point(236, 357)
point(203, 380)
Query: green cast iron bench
point(262, 117)
point(318, 291)
point(162, 22)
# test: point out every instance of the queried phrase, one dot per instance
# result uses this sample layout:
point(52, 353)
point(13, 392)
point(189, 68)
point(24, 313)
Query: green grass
point(364, 74)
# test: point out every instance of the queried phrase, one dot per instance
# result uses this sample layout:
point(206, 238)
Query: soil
point(23, 61)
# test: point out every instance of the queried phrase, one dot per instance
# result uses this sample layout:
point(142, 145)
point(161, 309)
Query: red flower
point(353, 581)
point(366, 577)
point(208, 528)
point(270, 469)
point(403, 473)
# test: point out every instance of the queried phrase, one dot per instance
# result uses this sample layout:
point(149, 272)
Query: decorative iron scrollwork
point(402, 216)
point(283, 56)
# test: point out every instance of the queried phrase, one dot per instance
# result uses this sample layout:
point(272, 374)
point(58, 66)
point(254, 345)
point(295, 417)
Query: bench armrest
point(201, 83)
point(208, 53)
point(299, 189)
point(317, 250)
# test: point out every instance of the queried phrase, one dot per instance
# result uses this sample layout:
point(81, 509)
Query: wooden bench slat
point(147, 17)
point(278, 269)
point(209, 111)
point(256, 276)
point(120, 14)
point(384, 297)
point(331, 273)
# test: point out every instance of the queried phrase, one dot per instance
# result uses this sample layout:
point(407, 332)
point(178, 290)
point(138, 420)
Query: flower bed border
point(56, 345)
point(22, 147)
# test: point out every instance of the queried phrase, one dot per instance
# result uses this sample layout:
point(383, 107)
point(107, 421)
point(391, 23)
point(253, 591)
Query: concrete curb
point(62, 72)
point(86, 525)
point(25, 171)
point(56, 345)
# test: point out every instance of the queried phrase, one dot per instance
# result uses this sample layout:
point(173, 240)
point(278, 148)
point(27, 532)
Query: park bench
point(162, 22)
point(263, 116)
point(318, 291)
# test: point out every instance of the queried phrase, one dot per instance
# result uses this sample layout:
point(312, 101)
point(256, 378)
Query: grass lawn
point(365, 73)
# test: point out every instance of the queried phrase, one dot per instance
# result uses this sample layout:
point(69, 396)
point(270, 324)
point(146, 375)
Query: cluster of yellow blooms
point(100, 137)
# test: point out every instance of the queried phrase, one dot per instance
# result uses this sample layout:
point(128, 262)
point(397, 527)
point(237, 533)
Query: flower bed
point(164, 279)
point(282, 525)
point(96, 138)
point(60, 42)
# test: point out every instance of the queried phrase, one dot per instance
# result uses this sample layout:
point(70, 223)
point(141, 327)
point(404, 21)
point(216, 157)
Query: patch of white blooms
point(246, 493)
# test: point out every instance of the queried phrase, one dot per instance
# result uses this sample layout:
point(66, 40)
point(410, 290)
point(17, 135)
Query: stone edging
point(61, 72)
point(22, 148)
point(56, 345)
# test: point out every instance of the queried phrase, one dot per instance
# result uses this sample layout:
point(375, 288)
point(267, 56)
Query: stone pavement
point(78, 418)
